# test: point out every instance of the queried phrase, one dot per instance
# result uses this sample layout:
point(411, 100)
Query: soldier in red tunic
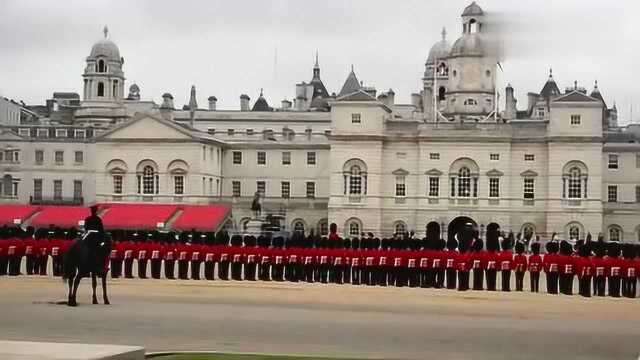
point(129, 254)
point(337, 262)
point(236, 256)
point(156, 254)
point(451, 257)
point(600, 267)
point(535, 267)
point(30, 253)
point(279, 258)
point(520, 265)
point(209, 251)
point(439, 263)
point(42, 251)
point(567, 268)
point(478, 262)
point(551, 267)
point(143, 253)
point(506, 263)
point(425, 260)
point(264, 260)
point(614, 269)
point(463, 260)
point(629, 277)
point(492, 260)
point(584, 269)
point(251, 252)
point(382, 270)
point(116, 255)
point(16, 251)
point(197, 254)
point(222, 240)
point(170, 256)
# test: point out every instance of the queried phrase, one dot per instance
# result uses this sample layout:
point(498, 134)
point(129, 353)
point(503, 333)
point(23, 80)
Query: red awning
point(61, 216)
point(136, 216)
point(9, 213)
point(202, 218)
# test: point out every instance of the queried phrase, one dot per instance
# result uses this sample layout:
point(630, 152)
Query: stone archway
point(433, 230)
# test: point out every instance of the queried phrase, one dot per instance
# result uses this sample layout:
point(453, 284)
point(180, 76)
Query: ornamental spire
point(105, 31)
point(444, 33)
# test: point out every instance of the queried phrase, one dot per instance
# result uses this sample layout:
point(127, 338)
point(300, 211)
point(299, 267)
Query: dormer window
point(470, 102)
point(356, 118)
point(576, 120)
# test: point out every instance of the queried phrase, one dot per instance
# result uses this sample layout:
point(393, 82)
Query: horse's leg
point(105, 298)
point(76, 283)
point(94, 284)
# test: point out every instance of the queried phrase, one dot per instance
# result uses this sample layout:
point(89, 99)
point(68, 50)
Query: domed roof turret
point(439, 50)
point(469, 44)
point(105, 48)
point(261, 104)
point(473, 10)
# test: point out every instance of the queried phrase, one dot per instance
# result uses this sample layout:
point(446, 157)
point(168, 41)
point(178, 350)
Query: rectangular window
point(311, 189)
point(576, 120)
point(59, 157)
point(79, 157)
point(230, 132)
point(311, 158)
point(494, 157)
point(401, 189)
point(237, 157)
point(262, 158)
point(638, 193)
point(37, 189)
point(236, 188)
point(637, 161)
point(80, 134)
point(43, 133)
point(117, 184)
point(434, 156)
point(261, 187)
point(529, 190)
point(24, 132)
point(178, 185)
point(434, 186)
point(286, 158)
point(77, 189)
point(249, 132)
point(61, 133)
point(613, 161)
point(286, 189)
point(541, 112)
point(612, 193)
point(401, 155)
point(57, 189)
point(529, 157)
point(356, 118)
point(39, 157)
point(355, 184)
point(211, 131)
point(494, 187)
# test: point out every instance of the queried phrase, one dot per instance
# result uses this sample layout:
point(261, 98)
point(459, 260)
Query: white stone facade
point(364, 163)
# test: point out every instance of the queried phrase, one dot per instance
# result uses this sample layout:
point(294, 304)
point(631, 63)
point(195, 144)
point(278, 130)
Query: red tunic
point(520, 263)
point(551, 263)
point(463, 262)
point(584, 266)
point(535, 263)
point(614, 266)
point(566, 264)
point(506, 260)
point(478, 260)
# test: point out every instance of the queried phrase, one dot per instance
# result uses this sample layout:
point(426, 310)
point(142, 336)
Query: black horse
point(87, 256)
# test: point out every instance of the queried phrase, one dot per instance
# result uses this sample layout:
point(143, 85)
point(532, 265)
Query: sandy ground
point(335, 320)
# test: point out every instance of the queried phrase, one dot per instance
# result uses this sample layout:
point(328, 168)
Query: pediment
point(146, 127)
point(494, 173)
point(434, 172)
point(575, 96)
point(8, 135)
point(400, 172)
point(529, 173)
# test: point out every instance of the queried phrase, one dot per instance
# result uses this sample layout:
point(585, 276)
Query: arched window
point(441, 93)
point(443, 70)
point(323, 227)
point(101, 67)
point(354, 227)
point(464, 182)
point(575, 183)
point(528, 231)
point(470, 102)
point(574, 232)
point(615, 233)
point(473, 26)
point(148, 180)
point(574, 180)
point(298, 226)
point(355, 181)
point(100, 89)
point(400, 228)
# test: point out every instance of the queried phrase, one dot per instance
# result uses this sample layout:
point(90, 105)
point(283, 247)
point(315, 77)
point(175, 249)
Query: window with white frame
point(529, 157)
point(311, 189)
point(235, 185)
point(237, 157)
point(356, 118)
point(117, 184)
point(286, 158)
point(354, 229)
point(541, 112)
point(311, 158)
point(261, 187)
point(77, 189)
point(615, 234)
point(57, 189)
point(355, 181)
point(400, 228)
point(434, 186)
point(298, 227)
point(575, 183)
point(80, 134)
point(574, 232)
point(470, 102)
point(529, 189)
point(638, 193)
point(464, 182)
point(576, 119)
point(78, 157)
point(285, 188)
point(39, 157)
point(262, 158)
point(612, 193)
point(61, 133)
point(401, 189)
point(434, 156)
point(42, 133)
point(494, 187)
point(178, 184)
point(37, 189)
point(24, 132)
point(148, 180)
point(613, 161)
point(59, 157)
point(323, 227)
point(494, 157)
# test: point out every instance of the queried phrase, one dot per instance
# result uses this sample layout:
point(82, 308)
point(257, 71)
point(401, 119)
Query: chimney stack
point(416, 100)
point(286, 105)
point(166, 108)
point(510, 103)
point(244, 102)
point(212, 103)
point(391, 97)
point(532, 98)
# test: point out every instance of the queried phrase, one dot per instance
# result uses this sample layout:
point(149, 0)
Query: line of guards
point(427, 263)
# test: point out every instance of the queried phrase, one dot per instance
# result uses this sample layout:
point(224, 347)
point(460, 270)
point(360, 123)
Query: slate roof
point(472, 10)
point(351, 85)
point(550, 89)
point(575, 96)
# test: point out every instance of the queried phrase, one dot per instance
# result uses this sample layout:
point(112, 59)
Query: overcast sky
point(227, 48)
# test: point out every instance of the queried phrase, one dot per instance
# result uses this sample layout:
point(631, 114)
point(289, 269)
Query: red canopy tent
point(136, 216)
point(201, 217)
point(8, 213)
point(62, 216)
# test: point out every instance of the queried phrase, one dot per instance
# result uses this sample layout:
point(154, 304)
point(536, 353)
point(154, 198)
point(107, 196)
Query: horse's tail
point(70, 263)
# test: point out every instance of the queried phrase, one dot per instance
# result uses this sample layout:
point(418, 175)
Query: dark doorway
point(460, 226)
point(433, 231)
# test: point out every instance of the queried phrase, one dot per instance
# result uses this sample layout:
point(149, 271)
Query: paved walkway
point(387, 323)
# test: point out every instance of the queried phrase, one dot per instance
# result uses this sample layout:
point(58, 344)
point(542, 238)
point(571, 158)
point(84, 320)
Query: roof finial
point(444, 33)
point(595, 86)
point(261, 92)
point(575, 84)
point(317, 65)
point(550, 73)
point(105, 30)
point(352, 68)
